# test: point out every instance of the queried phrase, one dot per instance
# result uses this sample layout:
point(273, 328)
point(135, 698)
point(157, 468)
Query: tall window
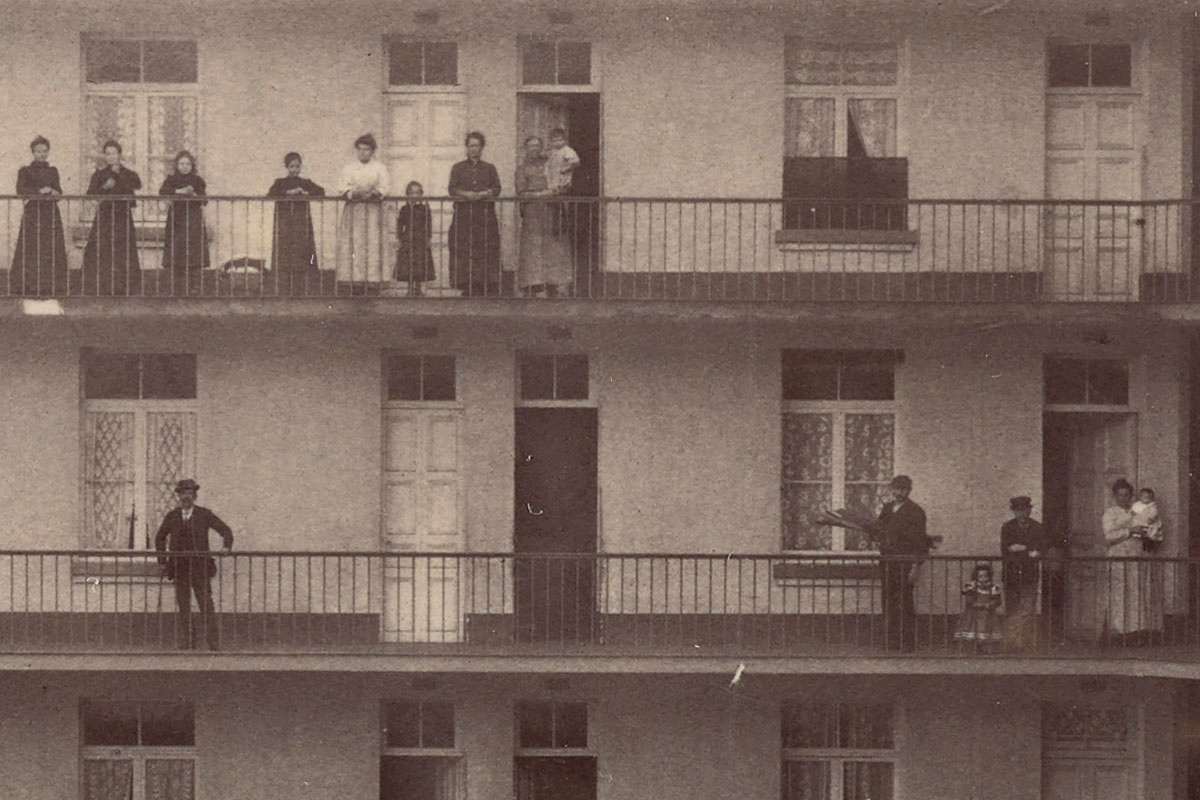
point(839, 434)
point(552, 758)
point(139, 438)
point(841, 131)
point(419, 760)
point(555, 62)
point(420, 63)
point(144, 94)
point(138, 750)
point(838, 751)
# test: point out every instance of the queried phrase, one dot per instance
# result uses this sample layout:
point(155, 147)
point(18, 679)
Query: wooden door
point(423, 513)
point(1094, 251)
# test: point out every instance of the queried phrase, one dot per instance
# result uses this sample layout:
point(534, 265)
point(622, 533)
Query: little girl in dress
point(980, 618)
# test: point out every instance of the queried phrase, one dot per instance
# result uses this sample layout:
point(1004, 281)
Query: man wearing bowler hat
point(185, 530)
point(1022, 545)
point(904, 539)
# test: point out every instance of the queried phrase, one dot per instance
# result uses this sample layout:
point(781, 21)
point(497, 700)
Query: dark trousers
point(191, 577)
point(899, 608)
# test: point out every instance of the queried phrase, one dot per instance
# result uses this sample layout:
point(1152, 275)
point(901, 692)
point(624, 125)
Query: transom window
point(139, 376)
point(838, 751)
point(553, 376)
point(841, 132)
point(838, 442)
point(418, 761)
point(1081, 727)
point(422, 378)
point(418, 725)
point(422, 63)
point(555, 62)
point(1095, 65)
point(551, 725)
point(1086, 381)
point(156, 759)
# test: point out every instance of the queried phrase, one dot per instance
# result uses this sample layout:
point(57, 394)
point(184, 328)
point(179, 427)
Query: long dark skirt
point(414, 262)
point(294, 250)
point(110, 260)
point(185, 246)
point(475, 249)
point(39, 264)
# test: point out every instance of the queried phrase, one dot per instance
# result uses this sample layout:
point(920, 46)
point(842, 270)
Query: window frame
point(434, 36)
point(837, 757)
point(573, 34)
point(389, 403)
point(1137, 58)
point(138, 754)
point(386, 750)
point(1116, 408)
point(583, 402)
point(554, 751)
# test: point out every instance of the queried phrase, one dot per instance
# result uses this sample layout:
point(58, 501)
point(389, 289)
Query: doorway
point(555, 516)
point(420, 778)
point(551, 778)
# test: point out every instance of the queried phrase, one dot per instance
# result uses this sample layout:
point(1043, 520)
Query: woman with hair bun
point(39, 264)
point(364, 184)
point(185, 246)
point(294, 249)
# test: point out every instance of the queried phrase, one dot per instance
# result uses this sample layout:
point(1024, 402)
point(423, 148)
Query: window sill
point(123, 568)
point(799, 239)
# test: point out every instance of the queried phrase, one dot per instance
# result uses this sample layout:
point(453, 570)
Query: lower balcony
point(638, 249)
point(500, 604)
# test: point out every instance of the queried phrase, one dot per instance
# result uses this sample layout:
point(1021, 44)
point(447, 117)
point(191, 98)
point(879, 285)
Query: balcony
point(666, 605)
point(620, 249)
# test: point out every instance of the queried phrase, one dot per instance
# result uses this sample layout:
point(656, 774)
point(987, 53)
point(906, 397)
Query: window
point(139, 438)
point(839, 433)
point(1084, 381)
point(1077, 727)
point(838, 751)
point(144, 94)
point(415, 63)
point(553, 377)
point(840, 138)
point(418, 761)
point(552, 760)
point(551, 725)
point(156, 759)
point(550, 62)
point(1088, 65)
point(421, 378)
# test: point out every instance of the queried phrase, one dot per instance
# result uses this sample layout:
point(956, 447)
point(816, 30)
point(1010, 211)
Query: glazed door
point(1093, 251)
point(555, 516)
point(422, 513)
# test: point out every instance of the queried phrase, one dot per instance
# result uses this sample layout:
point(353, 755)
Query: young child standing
point(561, 162)
point(980, 618)
point(414, 234)
point(1145, 516)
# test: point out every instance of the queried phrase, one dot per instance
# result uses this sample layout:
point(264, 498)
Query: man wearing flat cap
point(185, 530)
point(904, 539)
point(1022, 545)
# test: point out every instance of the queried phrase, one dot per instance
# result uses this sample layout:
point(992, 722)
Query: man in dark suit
point(1023, 542)
point(185, 530)
point(902, 544)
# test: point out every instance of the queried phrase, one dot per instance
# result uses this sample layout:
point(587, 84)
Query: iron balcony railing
point(657, 604)
point(705, 249)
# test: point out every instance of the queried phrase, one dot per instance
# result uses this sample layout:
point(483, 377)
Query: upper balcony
point(707, 250)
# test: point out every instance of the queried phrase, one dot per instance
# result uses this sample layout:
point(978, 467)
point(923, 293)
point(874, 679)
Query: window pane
point(570, 729)
point(871, 124)
point(171, 62)
point(170, 779)
point(105, 779)
point(811, 63)
point(110, 722)
point(574, 63)
point(168, 725)
point(870, 65)
point(1112, 65)
point(799, 501)
point(438, 381)
point(870, 439)
point(1067, 65)
point(113, 61)
point(1108, 382)
point(571, 378)
point(866, 780)
point(537, 65)
point(1065, 380)
point(807, 725)
point(806, 780)
point(168, 376)
point(808, 447)
point(441, 63)
point(403, 376)
point(404, 63)
point(534, 724)
point(437, 725)
point(806, 378)
point(865, 726)
point(537, 377)
point(868, 381)
point(809, 132)
point(111, 376)
point(402, 724)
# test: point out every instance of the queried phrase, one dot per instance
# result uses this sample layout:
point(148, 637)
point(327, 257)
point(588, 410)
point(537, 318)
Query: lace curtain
point(110, 117)
point(875, 123)
point(107, 780)
point(172, 128)
point(807, 479)
point(806, 780)
point(170, 779)
point(170, 456)
point(108, 478)
point(810, 127)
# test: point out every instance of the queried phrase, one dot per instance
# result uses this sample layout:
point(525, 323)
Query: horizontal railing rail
point(502, 603)
point(607, 248)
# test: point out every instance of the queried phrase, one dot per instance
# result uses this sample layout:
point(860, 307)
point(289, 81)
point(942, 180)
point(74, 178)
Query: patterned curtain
point(809, 130)
point(108, 478)
point(806, 780)
point(170, 779)
point(170, 456)
point(870, 461)
point(107, 780)
point(172, 128)
point(867, 780)
point(807, 479)
point(875, 121)
point(107, 117)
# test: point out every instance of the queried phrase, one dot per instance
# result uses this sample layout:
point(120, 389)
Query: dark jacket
point(190, 536)
point(904, 530)
point(1019, 568)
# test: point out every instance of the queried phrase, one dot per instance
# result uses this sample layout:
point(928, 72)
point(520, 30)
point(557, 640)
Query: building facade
point(490, 543)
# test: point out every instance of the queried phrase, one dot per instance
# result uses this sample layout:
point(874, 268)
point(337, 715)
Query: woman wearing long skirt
point(364, 184)
point(39, 265)
point(185, 246)
point(545, 263)
point(294, 249)
point(110, 260)
point(1133, 609)
point(475, 231)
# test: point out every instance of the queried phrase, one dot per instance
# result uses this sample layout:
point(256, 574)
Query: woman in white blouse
point(360, 247)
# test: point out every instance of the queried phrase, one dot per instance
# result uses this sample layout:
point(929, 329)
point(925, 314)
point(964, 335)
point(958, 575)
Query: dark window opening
point(839, 374)
point(548, 724)
point(133, 61)
point(422, 63)
point(553, 377)
point(147, 724)
point(420, 377)
point(1081, 381)
point(1089, 65)
point(419, 725)
point(139, 376)
point(555, 63)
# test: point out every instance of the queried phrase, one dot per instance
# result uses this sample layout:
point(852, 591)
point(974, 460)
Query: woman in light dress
point(1131, 595)
point(360, 250)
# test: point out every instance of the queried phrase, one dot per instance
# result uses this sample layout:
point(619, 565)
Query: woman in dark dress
point(110, 260)
point(185, 246)
point(39, 265)
point(294, 250)
point(475, 231)
point(414, 235)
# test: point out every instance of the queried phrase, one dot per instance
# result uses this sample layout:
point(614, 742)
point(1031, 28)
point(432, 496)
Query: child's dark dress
point(414, 254)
